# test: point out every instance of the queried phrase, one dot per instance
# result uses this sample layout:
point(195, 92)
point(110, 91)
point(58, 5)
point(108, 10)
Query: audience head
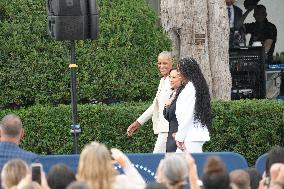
point(165, 63)
point(11, 129)
point(255, 177)
point(78, 185)
point(174, 170)
point(240, 178)
point(215, 175)
point(275, 155)
point(13, 172)
point(155, 185)
point(189, 71)
point(259, 13)
point(59, 176)
point(95, 166)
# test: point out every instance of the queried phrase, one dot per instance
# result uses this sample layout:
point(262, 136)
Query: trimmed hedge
point(248, 127)
point(120, 65)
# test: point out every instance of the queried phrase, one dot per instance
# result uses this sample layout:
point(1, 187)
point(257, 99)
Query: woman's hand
point(181, 145)
point(120, 157)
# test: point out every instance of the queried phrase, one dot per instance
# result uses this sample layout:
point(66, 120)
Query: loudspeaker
point(72, 19)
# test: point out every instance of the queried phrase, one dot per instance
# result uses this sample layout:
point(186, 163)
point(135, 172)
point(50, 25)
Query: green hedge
point(119, 65)
point(248, 127)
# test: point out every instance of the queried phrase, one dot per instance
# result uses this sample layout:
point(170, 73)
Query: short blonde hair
point(95, 166)
point(13, 172)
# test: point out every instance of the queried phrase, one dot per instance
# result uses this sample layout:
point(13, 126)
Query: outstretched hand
point(132, 128)
point(120, 157)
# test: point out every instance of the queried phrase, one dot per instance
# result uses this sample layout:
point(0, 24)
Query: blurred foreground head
point(215, 175)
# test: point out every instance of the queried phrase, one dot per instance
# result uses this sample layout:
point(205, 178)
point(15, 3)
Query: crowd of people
point(96, 169)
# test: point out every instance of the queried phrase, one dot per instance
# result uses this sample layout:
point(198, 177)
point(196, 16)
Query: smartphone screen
point(36, 173)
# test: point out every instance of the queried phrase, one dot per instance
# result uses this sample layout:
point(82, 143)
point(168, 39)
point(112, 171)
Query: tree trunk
point(199, 29)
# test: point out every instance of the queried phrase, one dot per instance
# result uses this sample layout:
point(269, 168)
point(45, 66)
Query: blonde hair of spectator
point(241, 178)
point(95, 167)
point(174, 170)
point(13, 172)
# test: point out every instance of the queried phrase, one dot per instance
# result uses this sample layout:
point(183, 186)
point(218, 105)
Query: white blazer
point(188, 128)
point(155, 111)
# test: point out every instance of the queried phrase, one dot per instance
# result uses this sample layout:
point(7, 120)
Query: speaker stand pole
point(75, 127)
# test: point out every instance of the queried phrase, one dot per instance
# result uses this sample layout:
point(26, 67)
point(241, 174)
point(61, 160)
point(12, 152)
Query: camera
point(36, 169)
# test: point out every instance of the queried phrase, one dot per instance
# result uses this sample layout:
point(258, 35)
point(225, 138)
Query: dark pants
point(171, 143)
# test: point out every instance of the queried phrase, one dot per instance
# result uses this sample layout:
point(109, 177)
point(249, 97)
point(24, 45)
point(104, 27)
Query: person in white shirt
point(193, 109)
point(160, 124)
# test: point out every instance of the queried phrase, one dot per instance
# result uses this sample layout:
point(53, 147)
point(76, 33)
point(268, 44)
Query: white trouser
point(160, 146)
point(193, 146)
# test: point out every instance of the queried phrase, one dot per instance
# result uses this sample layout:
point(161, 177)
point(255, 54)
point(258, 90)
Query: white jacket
point(160, 124)
point(188, 128)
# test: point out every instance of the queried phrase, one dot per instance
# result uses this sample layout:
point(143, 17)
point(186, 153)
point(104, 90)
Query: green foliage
point(119, 65)
point(248, 127)
point(279, 58)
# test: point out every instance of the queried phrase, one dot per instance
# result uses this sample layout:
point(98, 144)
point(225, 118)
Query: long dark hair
point(189, 69)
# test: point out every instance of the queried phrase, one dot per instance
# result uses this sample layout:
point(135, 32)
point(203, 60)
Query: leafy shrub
point(248, 127)
point(120, 65)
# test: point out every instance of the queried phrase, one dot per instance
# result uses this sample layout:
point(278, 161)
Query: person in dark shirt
point(261, 30)
point(170, 108)
point(234, 14)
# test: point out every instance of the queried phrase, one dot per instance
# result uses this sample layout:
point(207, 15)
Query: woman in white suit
point(193, 109)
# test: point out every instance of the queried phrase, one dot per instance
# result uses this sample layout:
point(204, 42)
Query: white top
point(188, 128)
point(160, 124)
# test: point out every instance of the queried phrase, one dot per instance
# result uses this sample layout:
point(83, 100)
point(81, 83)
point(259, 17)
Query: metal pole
point(75, 127)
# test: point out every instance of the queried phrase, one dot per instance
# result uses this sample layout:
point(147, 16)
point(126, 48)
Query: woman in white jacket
point(193, 109)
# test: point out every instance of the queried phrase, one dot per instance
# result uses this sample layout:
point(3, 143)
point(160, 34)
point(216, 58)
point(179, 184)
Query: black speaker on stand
point(70, 20)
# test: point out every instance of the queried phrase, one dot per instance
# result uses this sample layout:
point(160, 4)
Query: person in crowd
point(78, 185)
point(173, 171)
point(11, 133)
point(261, 30)
point(215, 175)
point(27, 183)
point(97, 170)
point(155, 185)
point(60, 176)
point(13, 172)
point(170, 108)
point(275, 155)
point(276, 180)
point(193, 109)
point(240, 178)
point(194, 181)
point(160, 124)
point(234, 14)
point(255, 177)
